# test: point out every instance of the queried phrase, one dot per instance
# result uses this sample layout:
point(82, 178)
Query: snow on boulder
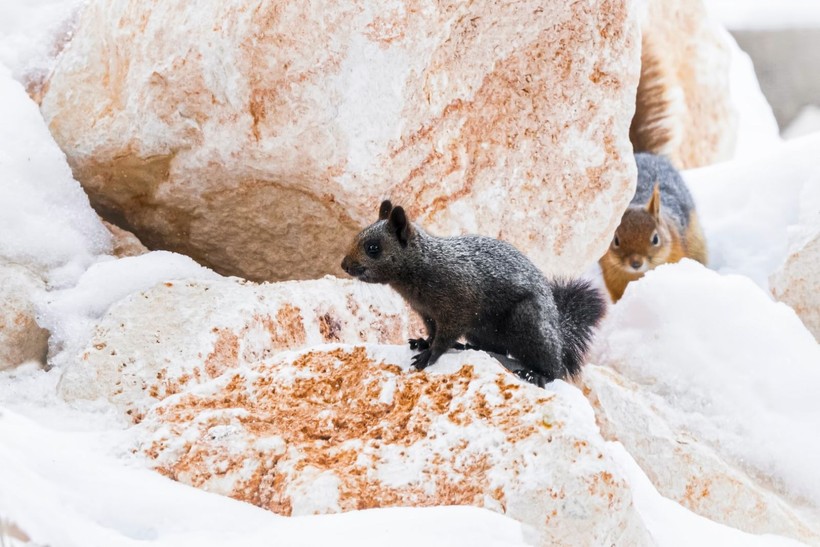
point(747, 206)
point(259, 138)
point(21, 338)
point(683, 468)
point(797, 282)
point(343, 428)
point(154, 343)
point(715, 395)
point(46, 222)
point(71, 314)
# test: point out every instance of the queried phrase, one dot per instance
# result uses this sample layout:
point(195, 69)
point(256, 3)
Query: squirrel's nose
point(351, 266)
point(636, 262)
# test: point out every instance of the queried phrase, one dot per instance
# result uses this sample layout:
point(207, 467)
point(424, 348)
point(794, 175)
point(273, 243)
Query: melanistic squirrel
point(482, 289)
point(660, 226)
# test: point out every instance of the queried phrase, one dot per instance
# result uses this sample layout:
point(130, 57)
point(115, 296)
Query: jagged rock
point(123, 242)
point(159, 342)
point(689, 59)
point(258, 138)
point(346, 428)
point(21, 338)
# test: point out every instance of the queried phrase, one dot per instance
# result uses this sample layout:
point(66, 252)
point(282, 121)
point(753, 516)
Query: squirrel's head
point(642, 240)
point(378, 252)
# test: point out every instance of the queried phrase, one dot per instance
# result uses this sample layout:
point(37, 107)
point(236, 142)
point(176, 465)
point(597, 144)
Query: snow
point(31, 32)
point(671, 524)
point(46, 222)
point(741, 369)
point(765, 14)
point(88, 498)
point(70, 314)
point(747, 206)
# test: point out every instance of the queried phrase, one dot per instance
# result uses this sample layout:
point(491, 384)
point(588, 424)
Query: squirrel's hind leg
point(534, 339)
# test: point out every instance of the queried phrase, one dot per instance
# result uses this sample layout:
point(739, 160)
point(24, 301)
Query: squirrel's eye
point(656, 240)
point(373, 249)
point(616, 242)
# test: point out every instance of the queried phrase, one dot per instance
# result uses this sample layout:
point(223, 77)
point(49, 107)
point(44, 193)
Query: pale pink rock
point(348, 427)
point(258, 138)
point(21, 337)
point(155, 343)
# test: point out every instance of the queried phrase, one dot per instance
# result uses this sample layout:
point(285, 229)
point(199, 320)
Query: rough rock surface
point(219, 131)
point(21, 338)
point(693, 55)
point(155, 343)
point(685, 469)
point(345, 428)
point(797, 282)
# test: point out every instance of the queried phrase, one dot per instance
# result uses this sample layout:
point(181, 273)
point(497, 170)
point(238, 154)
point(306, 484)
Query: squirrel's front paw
point(532, 377)
point(421, 360)
point(419, 344)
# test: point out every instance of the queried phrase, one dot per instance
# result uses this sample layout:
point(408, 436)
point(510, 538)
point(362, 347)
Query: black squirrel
point(482, 289)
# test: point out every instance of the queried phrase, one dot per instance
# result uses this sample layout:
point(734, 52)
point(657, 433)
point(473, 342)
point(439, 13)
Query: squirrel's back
point(676, 201)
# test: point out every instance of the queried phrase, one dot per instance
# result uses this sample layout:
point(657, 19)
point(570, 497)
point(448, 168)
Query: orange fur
point(655, 128)
point(634, 244)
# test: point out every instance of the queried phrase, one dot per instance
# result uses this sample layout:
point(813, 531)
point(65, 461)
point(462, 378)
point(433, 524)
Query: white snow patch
point(757, 129)
point(673, 525)
point(31, 32)
point(46, 222)
point(765, 14)
point(86, 498)
point(70, 314)
point(742, 370)
point(746, 207)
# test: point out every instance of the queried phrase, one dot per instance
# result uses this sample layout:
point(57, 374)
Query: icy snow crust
point(742, 369)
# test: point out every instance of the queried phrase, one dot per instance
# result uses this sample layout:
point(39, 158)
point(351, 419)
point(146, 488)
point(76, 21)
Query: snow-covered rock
point(685, 469)
point(797, 282)
point(154, 343)
point(347, 427)
point(85, 497)
point(714, 393)
point(695, 59)
point(21, 338)
point(258, 138)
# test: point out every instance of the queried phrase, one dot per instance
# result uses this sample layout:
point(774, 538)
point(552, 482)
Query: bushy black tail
point(580, 306)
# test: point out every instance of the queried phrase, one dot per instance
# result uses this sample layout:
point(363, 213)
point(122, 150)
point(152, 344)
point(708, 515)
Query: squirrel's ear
point(399, 225)
point(384, 209)
point(654, 205)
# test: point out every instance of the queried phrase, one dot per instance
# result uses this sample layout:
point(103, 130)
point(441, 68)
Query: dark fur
point(482, 289)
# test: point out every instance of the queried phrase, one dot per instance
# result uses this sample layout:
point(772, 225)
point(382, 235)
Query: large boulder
point(711, 387)
point(157, 342)
point(21, 337)
point(346, 428)
point(258, 138)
